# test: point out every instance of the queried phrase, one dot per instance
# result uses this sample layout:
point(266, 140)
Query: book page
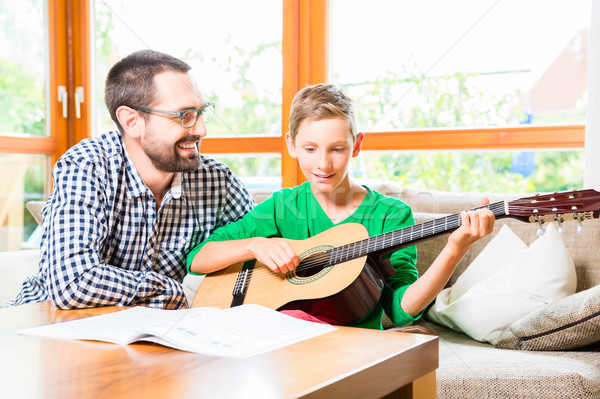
point(240, 331)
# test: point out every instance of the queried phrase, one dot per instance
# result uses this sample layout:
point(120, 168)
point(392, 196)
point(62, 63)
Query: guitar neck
point(406, 236)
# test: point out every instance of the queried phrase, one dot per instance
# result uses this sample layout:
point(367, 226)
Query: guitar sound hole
point(312, 265)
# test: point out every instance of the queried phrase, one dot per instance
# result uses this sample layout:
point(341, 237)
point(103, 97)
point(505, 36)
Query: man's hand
point(277, 255)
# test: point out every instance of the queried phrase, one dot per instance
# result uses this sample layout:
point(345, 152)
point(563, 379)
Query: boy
point(323, 138)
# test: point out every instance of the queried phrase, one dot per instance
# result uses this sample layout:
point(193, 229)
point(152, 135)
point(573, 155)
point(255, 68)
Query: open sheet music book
point(241, 331)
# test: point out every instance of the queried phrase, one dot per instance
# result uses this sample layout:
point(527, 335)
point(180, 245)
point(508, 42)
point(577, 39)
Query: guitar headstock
point(559, 206)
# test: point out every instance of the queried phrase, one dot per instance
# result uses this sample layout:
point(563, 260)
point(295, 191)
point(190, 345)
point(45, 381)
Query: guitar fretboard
point(404, 236)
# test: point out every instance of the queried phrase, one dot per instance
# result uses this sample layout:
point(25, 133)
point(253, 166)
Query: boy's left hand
point(474, 225)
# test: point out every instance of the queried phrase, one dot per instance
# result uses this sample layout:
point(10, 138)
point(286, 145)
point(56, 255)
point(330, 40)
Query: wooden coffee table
point(346, 363)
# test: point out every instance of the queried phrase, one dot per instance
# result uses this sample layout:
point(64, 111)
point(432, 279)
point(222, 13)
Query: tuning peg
point(541, 229)
point(559, 221)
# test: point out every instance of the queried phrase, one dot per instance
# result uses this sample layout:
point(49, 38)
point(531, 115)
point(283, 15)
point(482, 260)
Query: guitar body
point(351, 287)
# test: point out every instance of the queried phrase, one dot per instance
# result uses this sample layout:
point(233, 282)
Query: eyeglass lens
point(191, 116)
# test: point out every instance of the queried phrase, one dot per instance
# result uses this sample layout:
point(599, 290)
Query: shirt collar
point(176, 186)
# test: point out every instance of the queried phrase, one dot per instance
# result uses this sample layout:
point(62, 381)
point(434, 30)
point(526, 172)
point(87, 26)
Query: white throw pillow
point(505, 282)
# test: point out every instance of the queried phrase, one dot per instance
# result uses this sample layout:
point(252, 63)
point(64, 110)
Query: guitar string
point(428, 228)
point(369, 245)
point(323, 259)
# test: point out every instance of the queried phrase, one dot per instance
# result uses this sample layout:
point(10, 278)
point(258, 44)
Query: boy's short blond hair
point(318, 102)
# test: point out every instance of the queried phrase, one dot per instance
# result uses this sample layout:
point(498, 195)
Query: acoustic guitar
point(341, 268)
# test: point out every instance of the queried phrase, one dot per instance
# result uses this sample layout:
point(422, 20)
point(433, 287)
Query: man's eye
point(189, 117)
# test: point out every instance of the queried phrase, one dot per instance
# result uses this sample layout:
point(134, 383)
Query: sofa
point(473, 369)
point(467, 368)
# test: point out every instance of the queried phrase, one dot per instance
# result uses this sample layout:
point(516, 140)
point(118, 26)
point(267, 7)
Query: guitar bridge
point(242, 282)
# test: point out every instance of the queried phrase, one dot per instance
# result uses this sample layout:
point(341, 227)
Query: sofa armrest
point(15, 266)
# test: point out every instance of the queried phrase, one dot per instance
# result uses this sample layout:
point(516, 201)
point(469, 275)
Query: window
point(449, 70)
point(464, 95)
point(237, 64)
point(23, 84)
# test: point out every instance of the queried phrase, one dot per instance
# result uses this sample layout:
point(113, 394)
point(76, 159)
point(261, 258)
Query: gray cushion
point(570, 323)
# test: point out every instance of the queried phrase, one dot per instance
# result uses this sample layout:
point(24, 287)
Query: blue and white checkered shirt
point(104, 242)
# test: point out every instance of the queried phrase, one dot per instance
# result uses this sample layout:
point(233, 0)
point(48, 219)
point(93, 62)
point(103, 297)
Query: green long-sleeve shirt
point(295, 214)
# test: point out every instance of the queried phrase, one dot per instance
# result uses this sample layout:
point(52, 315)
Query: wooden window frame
point(69, 52)
point(306, 60)
point(305, 45)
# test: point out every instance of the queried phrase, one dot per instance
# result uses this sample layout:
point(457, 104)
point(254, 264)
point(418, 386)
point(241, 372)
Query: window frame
point(68, 43)
point(305, 47)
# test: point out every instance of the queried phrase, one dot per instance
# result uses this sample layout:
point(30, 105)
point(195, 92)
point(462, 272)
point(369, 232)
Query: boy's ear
point(290, 145)
point(358, 144)
point(130, 120)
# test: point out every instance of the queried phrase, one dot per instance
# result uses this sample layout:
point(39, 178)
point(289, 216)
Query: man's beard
point(169, 160)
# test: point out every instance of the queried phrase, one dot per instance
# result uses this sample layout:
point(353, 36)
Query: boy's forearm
point(474, 226)
point(217, 255)
point(423, 291)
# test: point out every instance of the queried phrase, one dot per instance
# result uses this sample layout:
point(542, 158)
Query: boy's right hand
point(277, 255)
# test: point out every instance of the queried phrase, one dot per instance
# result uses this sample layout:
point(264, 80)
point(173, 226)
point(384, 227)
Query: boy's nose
point(324, 161)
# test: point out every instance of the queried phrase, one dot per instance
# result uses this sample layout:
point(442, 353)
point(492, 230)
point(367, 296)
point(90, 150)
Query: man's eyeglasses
point(188, 117)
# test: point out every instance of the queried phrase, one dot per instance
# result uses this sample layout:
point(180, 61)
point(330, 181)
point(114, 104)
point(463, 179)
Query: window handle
point(62, 98)
point(78, 101)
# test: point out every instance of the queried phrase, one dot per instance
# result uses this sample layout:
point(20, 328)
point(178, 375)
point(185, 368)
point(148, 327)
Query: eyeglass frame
point(180, 114)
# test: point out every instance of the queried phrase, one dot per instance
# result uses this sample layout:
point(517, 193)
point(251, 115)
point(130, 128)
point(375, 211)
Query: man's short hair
point(318, 102)
point(130, 81)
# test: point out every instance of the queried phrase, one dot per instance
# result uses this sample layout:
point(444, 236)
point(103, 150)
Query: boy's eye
point(338, 149)
point(309, 149)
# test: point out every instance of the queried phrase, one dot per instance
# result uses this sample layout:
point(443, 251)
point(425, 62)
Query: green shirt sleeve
point(259, 222)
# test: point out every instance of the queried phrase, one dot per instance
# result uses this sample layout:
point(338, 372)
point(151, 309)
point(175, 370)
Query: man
point(128, 206)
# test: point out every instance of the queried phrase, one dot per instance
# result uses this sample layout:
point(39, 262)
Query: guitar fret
point(406, 235)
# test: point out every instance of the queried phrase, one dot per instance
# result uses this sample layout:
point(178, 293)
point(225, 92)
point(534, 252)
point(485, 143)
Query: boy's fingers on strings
point(476, 224)
point(481, 222)
point(281, 258)
point(486, 221)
